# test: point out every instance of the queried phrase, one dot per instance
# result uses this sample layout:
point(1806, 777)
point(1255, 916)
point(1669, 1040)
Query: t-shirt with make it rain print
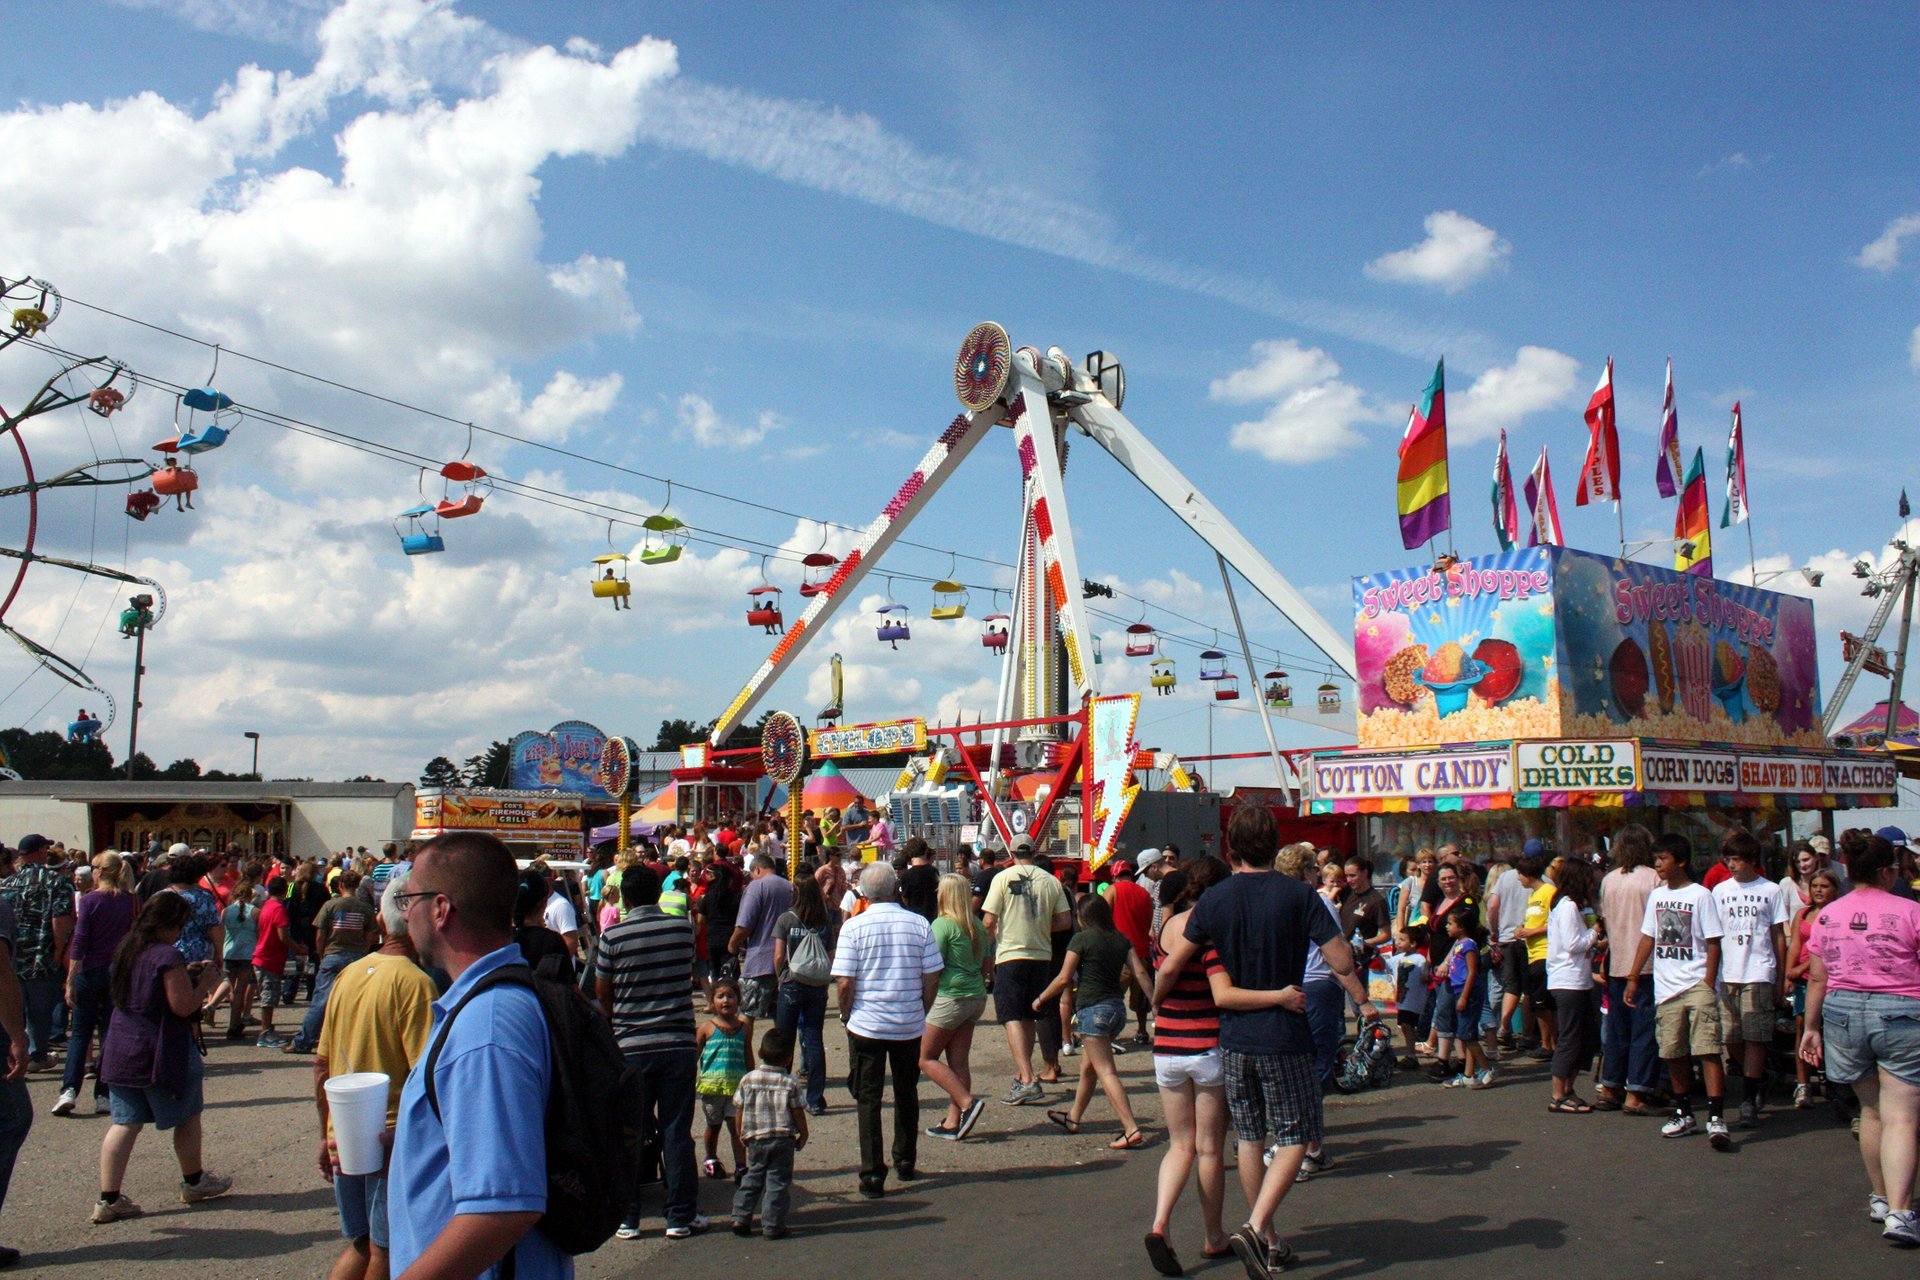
point(1680, 922)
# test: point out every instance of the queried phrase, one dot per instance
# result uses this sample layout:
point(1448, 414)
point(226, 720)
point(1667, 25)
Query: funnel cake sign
point(1555, 643)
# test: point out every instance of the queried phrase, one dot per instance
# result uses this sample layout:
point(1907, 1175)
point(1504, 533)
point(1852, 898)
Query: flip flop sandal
point(1132, 1140)
point(1602, 1102)
point(1066, 1122)
point(1569, 1106)
point(1162, 1256)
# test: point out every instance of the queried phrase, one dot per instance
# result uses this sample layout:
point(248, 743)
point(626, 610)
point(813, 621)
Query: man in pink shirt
point(1630, 1062)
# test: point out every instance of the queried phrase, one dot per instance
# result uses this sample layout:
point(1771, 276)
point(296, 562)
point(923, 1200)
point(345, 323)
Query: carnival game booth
point(1556, 693)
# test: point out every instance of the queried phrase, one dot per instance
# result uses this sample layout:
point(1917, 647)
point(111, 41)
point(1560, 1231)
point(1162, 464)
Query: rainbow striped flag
point(1692, 523)
point(1424, 509)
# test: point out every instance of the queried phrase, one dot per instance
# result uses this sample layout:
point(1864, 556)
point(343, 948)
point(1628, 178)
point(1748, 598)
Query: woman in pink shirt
point(1863, 1018)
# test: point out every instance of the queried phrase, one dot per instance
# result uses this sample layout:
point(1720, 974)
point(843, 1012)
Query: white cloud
point(1883, 253)
point(1539, 378)
point(1913, 348)
point(1313, 416)
point(700, 422)
point(1735, 162)
point(1456, 252)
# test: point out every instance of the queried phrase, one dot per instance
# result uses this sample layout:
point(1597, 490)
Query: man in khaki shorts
point(1752, 960)
point(1681, 931)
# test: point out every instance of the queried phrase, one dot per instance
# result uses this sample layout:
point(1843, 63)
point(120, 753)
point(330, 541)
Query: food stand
point(532, 823)
point(1553, 692)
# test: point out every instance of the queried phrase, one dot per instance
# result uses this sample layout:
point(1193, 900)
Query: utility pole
point(1900, 655)
point(134, 622)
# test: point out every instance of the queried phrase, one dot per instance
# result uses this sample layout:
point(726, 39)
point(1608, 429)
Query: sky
point(738, 250)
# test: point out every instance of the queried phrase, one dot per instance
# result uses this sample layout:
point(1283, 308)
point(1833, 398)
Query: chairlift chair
point(1213, 665)
point(1140, 641)
point(416, 539)
point(1163, 679)
point(816, 570)
point(1098, 656)
point(763, 609)
point(1279, 693)
point(610, 580)
point(666, 536)
point(476, 482)
point(949, 601)
point(1226, 688)
point(1329, 699)
point(893, 624)
point(993, 632)
point(175, 481)
point(142, 503)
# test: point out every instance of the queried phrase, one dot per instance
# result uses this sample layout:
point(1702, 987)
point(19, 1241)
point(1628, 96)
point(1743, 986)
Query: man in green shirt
point(1024, 909)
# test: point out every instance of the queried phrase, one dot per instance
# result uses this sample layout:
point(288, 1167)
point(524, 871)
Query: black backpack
point(593, 1120)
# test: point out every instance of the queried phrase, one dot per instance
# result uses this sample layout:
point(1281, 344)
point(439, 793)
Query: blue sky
point(738, 246)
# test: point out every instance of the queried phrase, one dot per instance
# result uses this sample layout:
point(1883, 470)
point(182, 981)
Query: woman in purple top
point(104, 917)
point(151, 1061)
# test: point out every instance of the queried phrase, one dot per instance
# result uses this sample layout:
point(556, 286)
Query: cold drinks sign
point(1575, 766)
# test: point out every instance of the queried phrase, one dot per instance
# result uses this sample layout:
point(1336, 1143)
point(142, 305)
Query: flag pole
point(1621, 517)
point(1753, 564)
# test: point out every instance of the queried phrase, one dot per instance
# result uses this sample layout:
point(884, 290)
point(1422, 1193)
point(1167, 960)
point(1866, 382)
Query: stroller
point(1366, 1061)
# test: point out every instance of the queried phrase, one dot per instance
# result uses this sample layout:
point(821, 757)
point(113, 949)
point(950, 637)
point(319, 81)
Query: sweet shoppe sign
point(1550, 642)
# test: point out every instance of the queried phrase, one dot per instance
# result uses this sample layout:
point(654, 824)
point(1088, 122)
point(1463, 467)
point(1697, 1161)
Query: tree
point(181, 771)
point(491, 768)
point(675, 734)
point(440, 772)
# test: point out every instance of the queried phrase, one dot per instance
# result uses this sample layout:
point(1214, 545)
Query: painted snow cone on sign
point(1552, 642)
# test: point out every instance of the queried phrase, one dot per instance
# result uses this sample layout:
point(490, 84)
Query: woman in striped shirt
point(1187, 1067)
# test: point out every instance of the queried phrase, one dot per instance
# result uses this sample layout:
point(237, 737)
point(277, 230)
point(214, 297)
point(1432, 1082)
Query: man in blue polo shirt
point(467, 1185)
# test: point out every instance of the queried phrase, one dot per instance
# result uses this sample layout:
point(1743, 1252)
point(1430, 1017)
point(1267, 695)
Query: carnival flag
point(1423, 501)
point(1670, 469)
point(1905, 510)
point(1735, 511)
point(1546, 512)
point(1692, 533)
point(1600, 474)
point(1506, 514)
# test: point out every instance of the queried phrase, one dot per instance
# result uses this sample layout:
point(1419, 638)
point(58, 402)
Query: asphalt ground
point(1429, 1180)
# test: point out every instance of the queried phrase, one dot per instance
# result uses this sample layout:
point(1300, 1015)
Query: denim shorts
point(362, 1200)
point(271, 982)
point(1865, 1029)
point(1106, 1019)
point(161, 1108)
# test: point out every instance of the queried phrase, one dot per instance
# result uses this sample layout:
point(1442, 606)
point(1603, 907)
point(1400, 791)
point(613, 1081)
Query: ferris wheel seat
point(210, 437)
point(453, 508)
point(422, 544)
point(207, 400)
point(611, 589)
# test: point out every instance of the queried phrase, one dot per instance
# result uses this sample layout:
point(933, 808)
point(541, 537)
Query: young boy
point(773, 1121)
point(1410, 990)
point(1752, 960)
point(1681, 932)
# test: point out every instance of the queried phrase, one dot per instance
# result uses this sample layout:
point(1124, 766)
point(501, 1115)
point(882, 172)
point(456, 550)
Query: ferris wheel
point(28, 306)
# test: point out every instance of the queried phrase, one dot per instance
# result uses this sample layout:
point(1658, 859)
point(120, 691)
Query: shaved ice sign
point(1550, 642)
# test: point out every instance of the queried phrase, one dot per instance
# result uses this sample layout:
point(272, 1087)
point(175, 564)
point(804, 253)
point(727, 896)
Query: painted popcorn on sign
point(1555, 643)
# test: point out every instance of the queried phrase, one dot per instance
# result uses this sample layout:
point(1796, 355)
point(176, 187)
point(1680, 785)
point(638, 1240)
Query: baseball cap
point(178, 851)
point(1820, 845)
point(1148, 857)
point(1121, 867)
point(1892, 835)
point(34, 843)
point(1533, 847)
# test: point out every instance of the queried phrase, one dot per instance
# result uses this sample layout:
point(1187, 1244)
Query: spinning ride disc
point(981, 369)
point(783, 747)
point(615, 773)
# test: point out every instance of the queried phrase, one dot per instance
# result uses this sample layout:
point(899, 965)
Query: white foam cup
point(358, 1104)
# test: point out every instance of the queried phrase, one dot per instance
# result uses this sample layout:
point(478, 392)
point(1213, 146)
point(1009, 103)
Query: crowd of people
point(713, 968)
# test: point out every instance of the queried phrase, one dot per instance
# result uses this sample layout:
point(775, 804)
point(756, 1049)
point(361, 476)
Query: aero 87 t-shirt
point(1680, 922)
point(1748, 913)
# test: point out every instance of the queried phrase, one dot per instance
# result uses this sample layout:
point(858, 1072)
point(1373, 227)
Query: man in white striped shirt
point(886, 970)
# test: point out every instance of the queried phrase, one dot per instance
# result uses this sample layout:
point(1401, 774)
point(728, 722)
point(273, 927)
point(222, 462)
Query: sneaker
point(1070, 1050)
point(105, 1211)
point(691, 1229)
point(1017, 1095)
point(969, 1118)
point(210, 1187)
point(1877, 1208)
point(1902, 1228)
point(1458, 1082)
point(775, 1233)
point(1802, 1096)
point(1749, 1114)
point(1119, 1049)
point(270, 1040)
point(627, 1231)
point(41, 1063)
point(1482, 1079)
point(1032, 1091)
point(1717, 1133)
point(68, 1098)
point(939, 1131)
point(1266, 1157)
point(1311, 1166)
point(103, 1106)
point(1252, 1252)
point(1681, 1126)
point(1142, 1040)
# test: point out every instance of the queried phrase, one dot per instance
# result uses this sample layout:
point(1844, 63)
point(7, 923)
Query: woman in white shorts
point(967, 949)
point(1187, 1067)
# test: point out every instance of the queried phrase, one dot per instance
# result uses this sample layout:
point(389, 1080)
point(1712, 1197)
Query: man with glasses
point(468, 1177)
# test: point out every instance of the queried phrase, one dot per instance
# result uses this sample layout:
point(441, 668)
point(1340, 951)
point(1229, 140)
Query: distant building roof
point(94, 792)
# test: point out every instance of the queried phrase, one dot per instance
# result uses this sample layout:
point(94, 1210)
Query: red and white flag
point(1546, 512)
point(1600, 474)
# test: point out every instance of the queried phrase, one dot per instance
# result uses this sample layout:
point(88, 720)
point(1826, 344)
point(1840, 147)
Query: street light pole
point(256, 752)
point(134, 621)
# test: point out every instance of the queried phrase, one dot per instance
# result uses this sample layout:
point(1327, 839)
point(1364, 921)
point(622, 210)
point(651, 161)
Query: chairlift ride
point(1098, 656)
point(665, 535)
point(1226, 688)
point(893, 620)
point(993, 632)
point(171, 480)
point(107, 399)
point(142, 503)
point(29, 305)
point(1163, 678)
point(1213, 665)
point(476, 485)
point(1279, 693)
point(416, 539)
point(763, 605)
point(204, 437)
point(1329, 699)
point(1141, 642)
point(949, 596)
